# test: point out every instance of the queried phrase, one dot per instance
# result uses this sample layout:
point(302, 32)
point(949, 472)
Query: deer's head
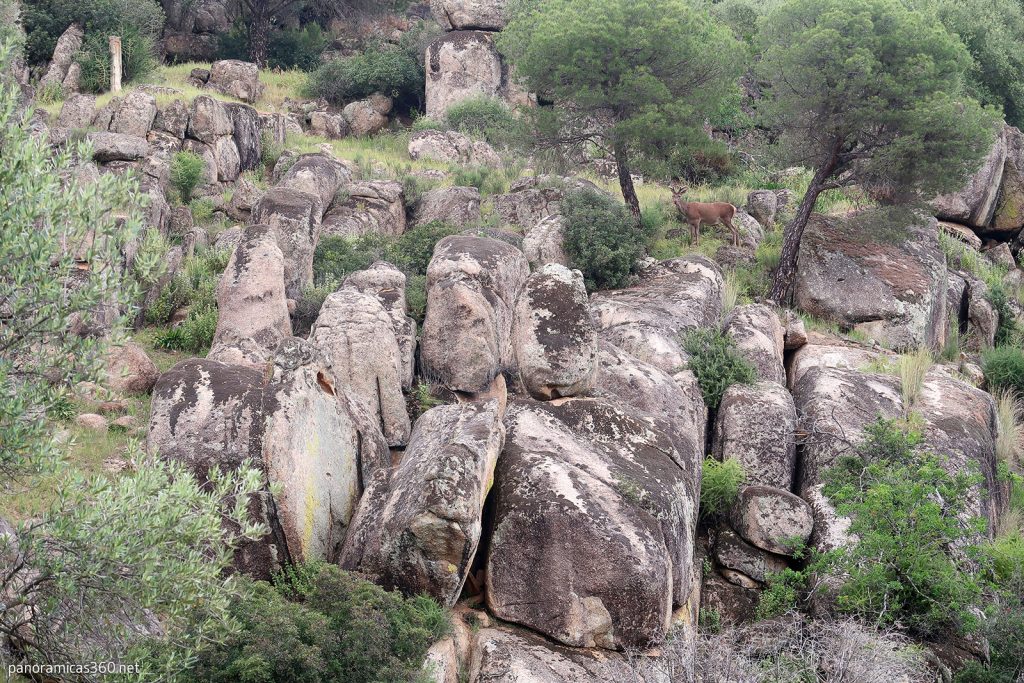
point(678, 187)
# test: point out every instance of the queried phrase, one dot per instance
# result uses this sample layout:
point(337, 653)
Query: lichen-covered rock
point(237, 79)
point(772, 519)
point(971, 311)
point(77, 111)
point(762, 206)
point(317, 174)
point(373, 207)
point(794, 331)
point(205, 415)
point(459, 206)
point(759, 337)
point(756, 426)
point(472, 287)
point(830, 355)
point(554, 339)
point(543, 243)
point(330, 125)
point(228, 162)
point(975, 204)
point(129, 369)
point(671, 298)
point(135, 114)
point(369, 116)
point(357, 334)
point(462, 65)
point(107, 147)
point(294, 217)
point(313, 451)
point(209, 120)
point(1008, 216)
point(387, 283)
point(247, 134)
point(460, 15)
point(419, 532)
point(251, 301)
point(646, 388)
point(532, 199)
point(734, 553)
point(245, 196)
point(452, 147)
point(733, 603)
point(593, 535)
point(173, 118)
point(894, 291)
point(63, 57)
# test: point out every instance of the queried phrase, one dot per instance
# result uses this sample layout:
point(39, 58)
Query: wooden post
point(115, 64)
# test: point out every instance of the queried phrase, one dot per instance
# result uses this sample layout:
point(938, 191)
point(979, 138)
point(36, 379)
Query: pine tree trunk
point(785, 275)
point(259, 39)
point(626, 181)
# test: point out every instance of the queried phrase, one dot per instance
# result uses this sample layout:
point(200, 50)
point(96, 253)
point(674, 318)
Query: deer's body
point(704, 213)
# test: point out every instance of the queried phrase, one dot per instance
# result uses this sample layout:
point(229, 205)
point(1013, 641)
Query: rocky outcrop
point(387, 283)
point(758, 334)
point(452, 147)
point(460, 15)
point(594, 524)
point(357, 334)
point(135, 114)
point(756, 426)
point(542, 244)
point(374, 207)
point(209, 120)
point(107, 147)
point(369, 116)
point(732, 552)
point(77, 112)
point(251, 301)
point(975, 204)
point(472, 287)
point(772, 519)
point(762, 206)
point(237, 79)
point(532, 199)
point(246, 133)
point(891, 289)
point(829, 353)
point(459, 206)
point(553, 337)
point(317, 174)
point(419, 531)
point(129, 369)
point(173, 119)
point(293, 216)
point(63, 57)
point(465, 64)
point(671, 297)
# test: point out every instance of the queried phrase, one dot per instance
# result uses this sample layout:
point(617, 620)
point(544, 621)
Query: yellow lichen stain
point(452, 568)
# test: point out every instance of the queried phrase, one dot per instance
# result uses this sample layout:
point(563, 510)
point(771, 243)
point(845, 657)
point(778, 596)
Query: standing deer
point(703, 213)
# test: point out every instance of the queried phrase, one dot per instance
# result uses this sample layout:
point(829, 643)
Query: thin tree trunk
point(785, 275)
point(626, 181)
point(259, 38)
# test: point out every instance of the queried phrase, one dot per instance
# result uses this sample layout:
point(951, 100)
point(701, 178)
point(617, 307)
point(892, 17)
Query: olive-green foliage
point(716, 363)
point(335, 256)
point(782, 594)
point(907, 511)
point(412, 250)
point(390, 70)
point(138, 58)
point(1006, 327)
point(187, 170)
point(992, 30)
point(660, 69)
point(719, 486)
point(41, 214)
point(194, 286)
point(487, 180)
point(1004, 368)
point(483, 117)
point(601, 238)
point(899, 117)
point(288, 47)
point(320, 624)
point(46, 20)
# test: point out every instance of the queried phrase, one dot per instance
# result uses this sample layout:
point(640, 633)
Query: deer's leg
point(735, 232)
point(694, 233)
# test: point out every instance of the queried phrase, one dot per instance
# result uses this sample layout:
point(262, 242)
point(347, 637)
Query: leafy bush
point(392, 71)
point(907, 511)
point(716, 363)
point(483, 117)
point(335, 256)
point(138, 59)
point(46, 20)
point(719, 486)
point(486, 179)
point(414, 248)
point(601, 239)
point(321, 624)
point(270, 151)
point(288, 47)
point(1006, 327)
point(1004, 368)
point(194, 286)
point(187, 170)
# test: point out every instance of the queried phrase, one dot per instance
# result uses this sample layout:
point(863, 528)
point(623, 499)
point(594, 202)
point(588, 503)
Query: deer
point(703, 213)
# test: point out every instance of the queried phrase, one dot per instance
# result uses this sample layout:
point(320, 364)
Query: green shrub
point(1004, 368)
point(907, 511)
point(392, 71)
point(1006, 327)
point(781, 595)
point(413, 189)
point(716, 363)
point(308, 306)
point(202, 209)
point(414, 248)
point(270, 151)
point(335, 256)
point(46, 20)
point(187, 170)
point(288, 47)
point(601, 239)
point(416, 296)
point(321, 624)
point(138, 59)
point(719, 485)
point(487, 180)
point(483, 117)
